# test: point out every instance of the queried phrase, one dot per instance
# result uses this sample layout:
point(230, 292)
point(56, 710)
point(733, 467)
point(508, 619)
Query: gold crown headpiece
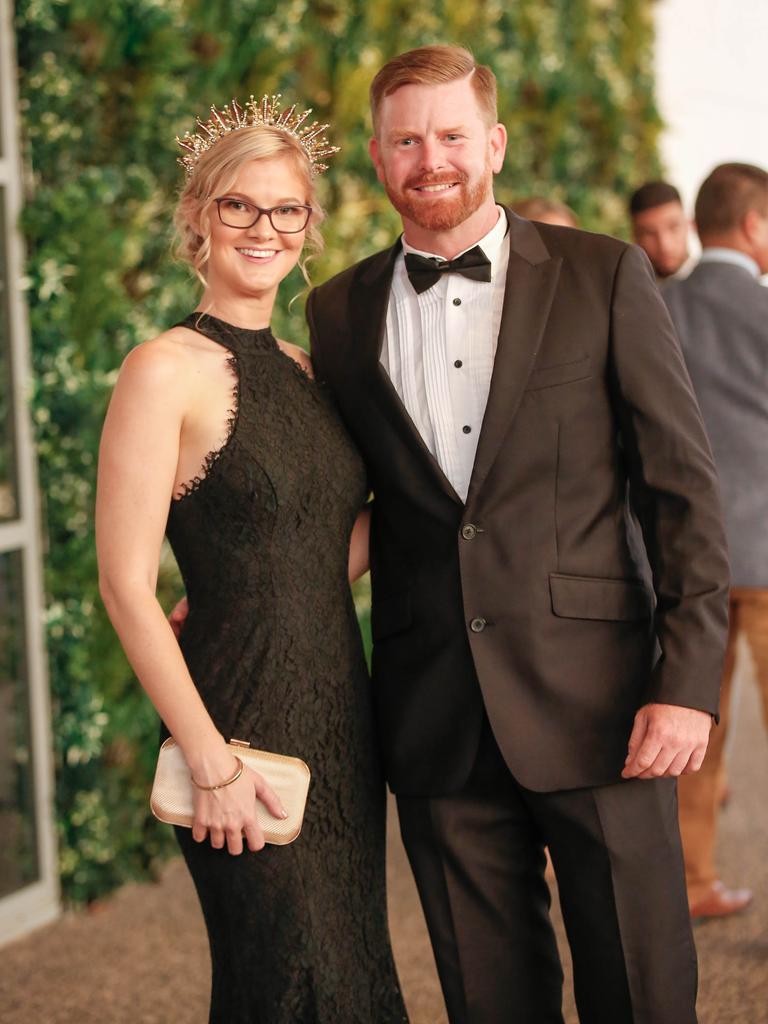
point(265, 111)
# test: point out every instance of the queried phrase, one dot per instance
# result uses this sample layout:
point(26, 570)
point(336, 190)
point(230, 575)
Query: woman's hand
point(178, 616)
point(359, 561)
point(230, 812)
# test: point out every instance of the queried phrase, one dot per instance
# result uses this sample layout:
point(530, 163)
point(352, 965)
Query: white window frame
point(37, 903)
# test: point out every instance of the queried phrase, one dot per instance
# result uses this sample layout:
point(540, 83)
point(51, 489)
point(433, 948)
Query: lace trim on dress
point(213, 456)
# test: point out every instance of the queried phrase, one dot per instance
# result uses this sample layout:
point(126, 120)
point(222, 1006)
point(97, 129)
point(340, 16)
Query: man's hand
point(667, 740)
point(178, 617)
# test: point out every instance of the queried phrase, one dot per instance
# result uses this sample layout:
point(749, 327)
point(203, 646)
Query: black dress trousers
point(478, 859)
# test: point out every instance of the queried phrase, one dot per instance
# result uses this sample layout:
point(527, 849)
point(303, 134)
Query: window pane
point(8, 493)
point(18, 849)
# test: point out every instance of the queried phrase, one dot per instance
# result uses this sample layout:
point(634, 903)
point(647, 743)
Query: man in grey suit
point(721, 315)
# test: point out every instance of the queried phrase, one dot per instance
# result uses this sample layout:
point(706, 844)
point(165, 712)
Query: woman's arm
point(137, 468)
point(359, 561)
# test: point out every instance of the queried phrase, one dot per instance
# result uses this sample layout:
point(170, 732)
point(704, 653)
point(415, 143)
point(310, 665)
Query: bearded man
point(548, 567)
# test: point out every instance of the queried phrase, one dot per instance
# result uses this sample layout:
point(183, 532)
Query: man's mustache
point(456, 178)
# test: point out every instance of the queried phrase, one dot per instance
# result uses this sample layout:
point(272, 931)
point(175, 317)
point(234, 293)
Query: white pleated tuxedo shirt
point(439, 348)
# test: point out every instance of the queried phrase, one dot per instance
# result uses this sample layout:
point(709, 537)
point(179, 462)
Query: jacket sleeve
point(315, 346)
point(673, 489)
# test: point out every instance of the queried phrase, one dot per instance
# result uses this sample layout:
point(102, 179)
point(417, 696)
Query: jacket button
point(469, 531)
point(477, 625)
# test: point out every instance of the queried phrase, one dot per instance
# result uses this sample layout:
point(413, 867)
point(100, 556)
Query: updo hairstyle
point(214, 176)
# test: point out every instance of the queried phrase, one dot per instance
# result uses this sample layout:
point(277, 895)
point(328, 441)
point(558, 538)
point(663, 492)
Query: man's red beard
point(441, 213)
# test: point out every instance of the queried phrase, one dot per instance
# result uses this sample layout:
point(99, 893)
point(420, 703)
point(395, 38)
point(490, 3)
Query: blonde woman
point(219, 437)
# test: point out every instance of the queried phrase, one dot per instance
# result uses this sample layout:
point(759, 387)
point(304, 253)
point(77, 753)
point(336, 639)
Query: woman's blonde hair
point(215, 174)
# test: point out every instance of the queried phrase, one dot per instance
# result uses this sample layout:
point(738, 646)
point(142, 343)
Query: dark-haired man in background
point(660, 227)
point(721, 315)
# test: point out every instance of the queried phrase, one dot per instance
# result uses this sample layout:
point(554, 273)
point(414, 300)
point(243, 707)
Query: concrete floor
point(141, 957)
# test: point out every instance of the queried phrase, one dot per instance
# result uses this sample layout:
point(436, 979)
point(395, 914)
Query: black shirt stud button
point(458, 364)
point(457, 302)
point(467, 430)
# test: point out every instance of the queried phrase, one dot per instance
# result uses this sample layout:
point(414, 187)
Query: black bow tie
point(425, 271)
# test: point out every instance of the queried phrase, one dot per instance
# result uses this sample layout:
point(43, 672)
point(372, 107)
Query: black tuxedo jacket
point(586, 574)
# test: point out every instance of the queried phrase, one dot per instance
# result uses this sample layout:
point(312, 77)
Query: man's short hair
point(536, 207)
point(435, 65)
point(652, 194)
point(727, 196)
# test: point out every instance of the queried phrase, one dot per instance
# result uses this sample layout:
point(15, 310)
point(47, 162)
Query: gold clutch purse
point(171, 797)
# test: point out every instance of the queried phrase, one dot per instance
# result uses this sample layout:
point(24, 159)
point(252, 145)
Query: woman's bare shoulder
point(163, 366)
point(161, 357)
point(298, 355)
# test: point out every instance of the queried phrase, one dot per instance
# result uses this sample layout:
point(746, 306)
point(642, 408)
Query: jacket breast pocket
point(589, 597)
point(390, 615)
point(562, 373)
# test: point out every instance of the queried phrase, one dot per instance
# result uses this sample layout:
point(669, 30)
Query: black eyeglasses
point(288, 219)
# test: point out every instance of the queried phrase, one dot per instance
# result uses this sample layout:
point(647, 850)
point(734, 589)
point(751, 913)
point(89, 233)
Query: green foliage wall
point(105, 89)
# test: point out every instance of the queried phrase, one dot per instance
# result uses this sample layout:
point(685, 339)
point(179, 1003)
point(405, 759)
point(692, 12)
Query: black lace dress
point(298, 933)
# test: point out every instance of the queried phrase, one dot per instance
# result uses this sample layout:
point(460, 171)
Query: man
point(507, 382)
point(721, 314)
point(546, 211)
point(660, 227)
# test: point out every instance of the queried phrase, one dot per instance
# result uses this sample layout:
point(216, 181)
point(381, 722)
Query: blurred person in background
point(721, 315)
point(546, 211)
point(660, 227)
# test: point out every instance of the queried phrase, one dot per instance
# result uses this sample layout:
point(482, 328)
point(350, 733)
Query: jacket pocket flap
point(563, 373)
point(390, 615)
point(588, 597)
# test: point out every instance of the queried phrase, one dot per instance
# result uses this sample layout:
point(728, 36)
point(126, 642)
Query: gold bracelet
point(227, 782)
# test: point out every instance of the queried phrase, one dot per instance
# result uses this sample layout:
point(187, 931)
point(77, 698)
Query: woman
point(218, 435)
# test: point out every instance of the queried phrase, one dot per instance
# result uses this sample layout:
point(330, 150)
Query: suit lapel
point(369, 319)
point(532, 277)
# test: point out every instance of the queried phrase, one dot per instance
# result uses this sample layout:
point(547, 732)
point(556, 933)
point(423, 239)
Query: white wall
point(712, 70)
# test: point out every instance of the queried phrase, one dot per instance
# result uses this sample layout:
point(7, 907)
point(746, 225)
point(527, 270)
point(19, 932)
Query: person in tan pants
point(700, 795)
point(721, 315)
